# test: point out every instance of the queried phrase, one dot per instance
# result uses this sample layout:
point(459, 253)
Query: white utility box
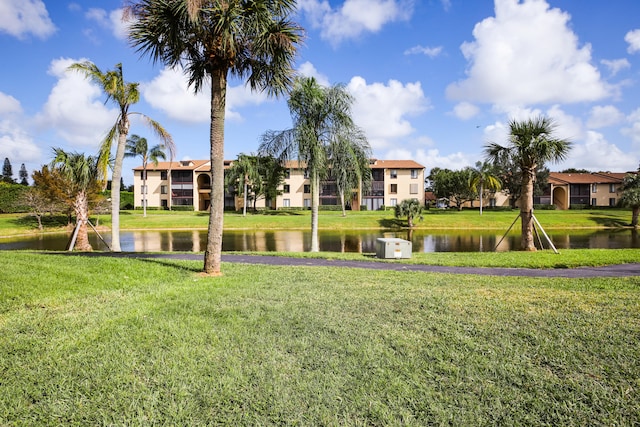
point(393, 248)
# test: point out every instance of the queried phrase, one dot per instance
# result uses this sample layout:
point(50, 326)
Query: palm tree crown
point(252, 40)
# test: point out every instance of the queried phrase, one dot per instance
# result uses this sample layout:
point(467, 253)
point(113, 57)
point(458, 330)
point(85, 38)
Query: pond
point(330, 241)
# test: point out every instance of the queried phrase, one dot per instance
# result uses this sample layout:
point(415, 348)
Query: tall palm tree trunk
point(144, 193)
point(123, 130)
point(315, 201)
point(342, 203)
point(213, 253)
point(81, 208)
point(526, 210)
point(635, 211)
point(244, 205)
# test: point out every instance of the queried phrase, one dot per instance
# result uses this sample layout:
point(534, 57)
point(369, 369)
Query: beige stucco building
point(187, 184)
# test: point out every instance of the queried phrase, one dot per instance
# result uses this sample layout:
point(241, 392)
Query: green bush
point(545, 207)
point(10, 195)
point(578, 206)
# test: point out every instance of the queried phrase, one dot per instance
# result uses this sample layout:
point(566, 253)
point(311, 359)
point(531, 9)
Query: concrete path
point(621, 270)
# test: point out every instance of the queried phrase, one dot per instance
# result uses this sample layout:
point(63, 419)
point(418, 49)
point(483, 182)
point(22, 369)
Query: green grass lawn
point(99, 340)
point(12, 224)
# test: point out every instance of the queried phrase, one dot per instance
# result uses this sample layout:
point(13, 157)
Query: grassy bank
point(152, 342)
point(12, 224)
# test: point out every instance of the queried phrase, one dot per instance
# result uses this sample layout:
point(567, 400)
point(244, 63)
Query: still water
point(346, 241)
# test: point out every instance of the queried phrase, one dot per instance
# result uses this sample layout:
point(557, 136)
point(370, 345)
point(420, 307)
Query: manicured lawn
point(12, 224)
point(99, 340)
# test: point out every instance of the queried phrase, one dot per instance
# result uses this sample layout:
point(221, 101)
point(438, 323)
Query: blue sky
point(433, 80)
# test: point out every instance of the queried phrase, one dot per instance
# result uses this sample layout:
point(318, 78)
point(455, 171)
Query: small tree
point(409, 208)
point(137, 146)
point(245, 172)
point(630, 195)
point(23, 174)
point(83, 175)
point(7, 171)
point(483, 178)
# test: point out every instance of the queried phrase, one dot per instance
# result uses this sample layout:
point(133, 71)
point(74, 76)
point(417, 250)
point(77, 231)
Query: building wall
point(406, 185)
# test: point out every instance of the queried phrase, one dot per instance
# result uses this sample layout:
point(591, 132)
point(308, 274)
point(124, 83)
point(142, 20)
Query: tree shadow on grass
point(392, 223)
point(48, 221)
point(610, 221)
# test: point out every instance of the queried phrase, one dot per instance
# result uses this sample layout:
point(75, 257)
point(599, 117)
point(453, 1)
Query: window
point(414, 173)
point(393, 173)
point(594, 188)
point(143, 174)
point(394, 202)
point(287, 174)
point(612, 201)
point(393, 188)
point(286, 189)
point(306, 174)
point(163, 175)
point(307, 189)
point(163, 189)
point(612, 188)
point(286, 203)
point(413, 189)
point(144, 189)
point(307, 203)
point(594, 201)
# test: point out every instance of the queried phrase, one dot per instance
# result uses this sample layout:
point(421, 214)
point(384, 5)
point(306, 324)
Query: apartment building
point(187, 184)
point(587, 189)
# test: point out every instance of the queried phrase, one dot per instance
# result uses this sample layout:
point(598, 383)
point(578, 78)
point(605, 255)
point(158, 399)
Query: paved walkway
point(621, 270)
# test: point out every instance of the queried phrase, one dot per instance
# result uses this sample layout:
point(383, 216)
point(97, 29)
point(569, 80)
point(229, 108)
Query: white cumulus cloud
point(527, 54)
point(354, 17)
point(22, 17)
point(616, 65)
point(75, 107)
point(597, 154)
point(603, 116)
point(633, 38)
point(382, 110)
point(431, 52)
point(465, 110)
point(170, 93)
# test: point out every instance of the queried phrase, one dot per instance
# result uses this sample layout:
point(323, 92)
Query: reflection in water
point(330, 241)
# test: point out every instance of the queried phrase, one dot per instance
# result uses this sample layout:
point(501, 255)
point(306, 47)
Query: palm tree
point(243, 170)
point(252, 40)
point(137, 146)
point(409, 208)
point(350, 166)
point(630, 196)
point(322, 123)
point(83, 175)
point(124, 95)
point(531, 145)
point(483, 178)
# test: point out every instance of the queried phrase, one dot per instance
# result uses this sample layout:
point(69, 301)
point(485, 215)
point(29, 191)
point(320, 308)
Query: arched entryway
point(561, 198)
point(204, 191)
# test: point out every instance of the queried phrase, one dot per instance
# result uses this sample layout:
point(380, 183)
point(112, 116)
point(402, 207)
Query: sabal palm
point(531, 145)
point(322, 125)
point(124, 95)
point(138, 147)
point(244, 170)
point(630, 195)
point(212, 40)
point(83, 175)
point(483, 178)
point(409, 208)
point(350, 158)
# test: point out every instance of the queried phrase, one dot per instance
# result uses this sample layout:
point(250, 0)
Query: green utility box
point(390, 248)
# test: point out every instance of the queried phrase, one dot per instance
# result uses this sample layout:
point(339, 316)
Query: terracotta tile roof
point(395, 164)
point(559, 178)
point(204, 165)
point(181, 165)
